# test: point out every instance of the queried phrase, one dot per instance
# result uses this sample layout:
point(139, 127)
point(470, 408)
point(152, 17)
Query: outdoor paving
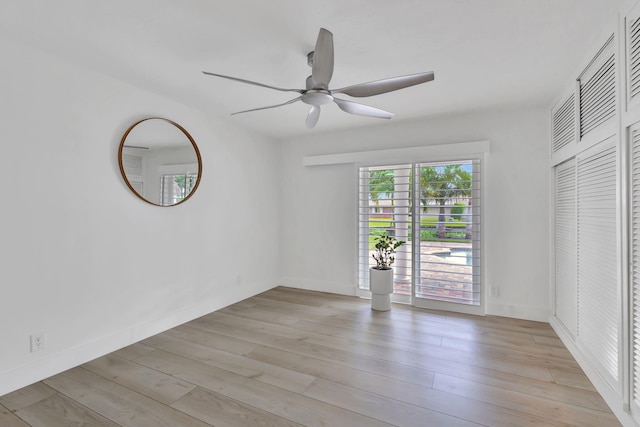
point(445, 279)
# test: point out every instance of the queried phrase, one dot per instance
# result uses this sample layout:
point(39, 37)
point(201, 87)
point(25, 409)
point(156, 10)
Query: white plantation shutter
point(598, 91)
point(563, 123)
point(598, 301)
point(384, 209)
point(443, 279)
point(174, 188)
point(439, 219)
point(565, 246)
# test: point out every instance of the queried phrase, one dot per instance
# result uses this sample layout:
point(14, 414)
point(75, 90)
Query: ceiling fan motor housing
point(317, 97)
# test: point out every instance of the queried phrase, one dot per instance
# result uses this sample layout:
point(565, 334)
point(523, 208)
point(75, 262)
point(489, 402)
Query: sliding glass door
point(435, 208)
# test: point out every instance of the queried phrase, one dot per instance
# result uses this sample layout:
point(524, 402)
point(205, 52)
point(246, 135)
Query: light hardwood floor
point(290, 357)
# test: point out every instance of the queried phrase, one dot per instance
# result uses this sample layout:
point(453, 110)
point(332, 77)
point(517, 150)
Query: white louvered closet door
point(566, 291)
point(598, 299)
point(635, 262)
point(564, 123)
point(633, 55)
point(598, 91)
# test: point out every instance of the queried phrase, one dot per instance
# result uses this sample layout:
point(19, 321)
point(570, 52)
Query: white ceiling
point(485, 53)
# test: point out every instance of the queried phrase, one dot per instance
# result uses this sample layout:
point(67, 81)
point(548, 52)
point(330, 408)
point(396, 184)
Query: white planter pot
point(381, 287)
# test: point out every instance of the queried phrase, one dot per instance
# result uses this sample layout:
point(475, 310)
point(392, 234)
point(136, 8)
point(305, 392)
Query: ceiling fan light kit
point(317, 90)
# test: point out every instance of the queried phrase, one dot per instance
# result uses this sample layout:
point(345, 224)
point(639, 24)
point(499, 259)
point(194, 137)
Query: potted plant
point(381, 275)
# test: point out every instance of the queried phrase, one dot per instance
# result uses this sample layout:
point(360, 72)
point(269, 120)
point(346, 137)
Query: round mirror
point(160, 161)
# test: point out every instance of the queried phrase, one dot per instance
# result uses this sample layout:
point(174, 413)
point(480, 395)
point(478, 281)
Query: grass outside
point(425, 222)
point(379, 226)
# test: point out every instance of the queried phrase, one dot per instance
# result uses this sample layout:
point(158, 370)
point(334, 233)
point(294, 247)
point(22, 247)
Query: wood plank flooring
point(290, 357)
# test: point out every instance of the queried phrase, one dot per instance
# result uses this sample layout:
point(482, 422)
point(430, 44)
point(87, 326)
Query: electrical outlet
point(37, 342)
point(238, 280)
point(495, 291)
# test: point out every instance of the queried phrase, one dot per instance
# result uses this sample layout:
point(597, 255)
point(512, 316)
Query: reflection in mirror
point(160, 161)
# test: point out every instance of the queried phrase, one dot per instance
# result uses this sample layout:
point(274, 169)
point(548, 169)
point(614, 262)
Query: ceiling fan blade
point(270, 106)
point(313, 116)
point(386, 85)
point(252, 83)
point(322, 68)
point(361, 109)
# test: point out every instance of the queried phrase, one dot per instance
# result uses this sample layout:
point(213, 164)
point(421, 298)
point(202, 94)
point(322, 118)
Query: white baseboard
point(61, 361)
point(319, 285)
point(537, 314)
point(613, 399)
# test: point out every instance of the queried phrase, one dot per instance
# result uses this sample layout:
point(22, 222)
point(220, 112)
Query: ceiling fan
point(317, 90)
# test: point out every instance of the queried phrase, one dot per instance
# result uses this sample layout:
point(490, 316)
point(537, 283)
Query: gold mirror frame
point(124, 174)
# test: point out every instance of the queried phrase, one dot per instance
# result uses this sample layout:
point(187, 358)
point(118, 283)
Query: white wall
point(320, 204)
point(84, 261)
